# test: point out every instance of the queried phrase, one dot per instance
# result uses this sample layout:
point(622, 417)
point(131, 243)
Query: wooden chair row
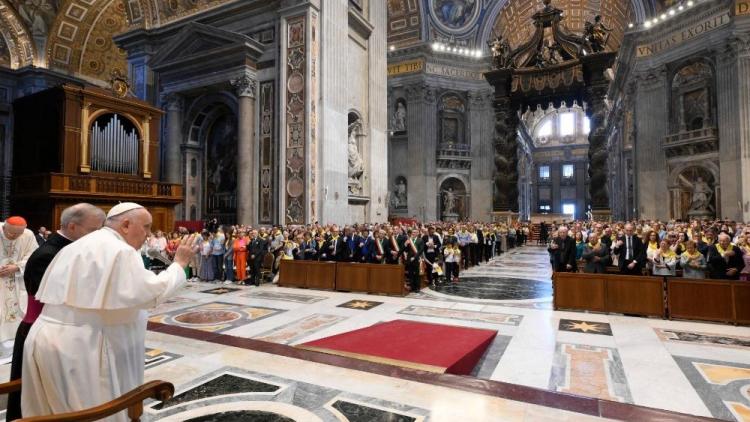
point(666, 297)
point(343, 276)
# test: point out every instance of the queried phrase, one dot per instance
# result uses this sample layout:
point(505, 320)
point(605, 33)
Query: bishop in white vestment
point(18, 243)
point(87, 347)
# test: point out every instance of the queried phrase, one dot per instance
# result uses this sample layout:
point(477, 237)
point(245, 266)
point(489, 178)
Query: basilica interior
point(503, 114)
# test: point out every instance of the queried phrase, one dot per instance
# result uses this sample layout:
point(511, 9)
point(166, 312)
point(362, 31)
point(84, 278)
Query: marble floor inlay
point(364, 305)
point(215, 317)
point(220, 290)
point(497, 288)
point(289, 333)
point(466, 315)
point(286, 296)
point(223, 384)
point(577, 326)
point(589, 371)
point(156, 357)
point(723, 386)
point(704, 338)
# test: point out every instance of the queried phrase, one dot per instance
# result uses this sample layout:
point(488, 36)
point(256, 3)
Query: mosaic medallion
point(221, 290)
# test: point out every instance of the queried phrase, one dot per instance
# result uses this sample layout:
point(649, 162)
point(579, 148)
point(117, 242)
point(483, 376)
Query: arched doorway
point(452, 200)
point(221, 168)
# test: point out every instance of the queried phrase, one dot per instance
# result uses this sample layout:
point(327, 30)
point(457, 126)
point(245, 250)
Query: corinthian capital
point(244, 86)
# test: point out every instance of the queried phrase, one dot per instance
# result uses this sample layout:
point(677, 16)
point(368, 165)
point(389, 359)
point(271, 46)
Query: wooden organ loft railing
point(114, 148)
point(72, 184)
point(132, 401)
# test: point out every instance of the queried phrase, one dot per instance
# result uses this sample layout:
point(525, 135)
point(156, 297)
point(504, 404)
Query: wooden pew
point(637, 295)
point(132, 401)
point(307, 274)
point(709, 300)
point(382, 279)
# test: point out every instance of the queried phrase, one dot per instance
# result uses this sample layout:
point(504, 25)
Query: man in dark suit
point(76, 222)
point(412, 253)
point(334, 248)
point(704, 246)
point(724, 259)
point(565, 248)
point(256, 251)
point(596, 254)
point(431, 252)
point(631, 252)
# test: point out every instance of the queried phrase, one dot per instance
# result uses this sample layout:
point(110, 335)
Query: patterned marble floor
point(227, 350)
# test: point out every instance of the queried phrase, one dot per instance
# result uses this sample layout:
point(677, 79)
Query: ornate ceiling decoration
point(16, 45)
point(404, 22)
point(155, 13)
point(515, 21)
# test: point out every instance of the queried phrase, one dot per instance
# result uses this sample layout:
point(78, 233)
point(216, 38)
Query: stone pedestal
point(700, 215)
point(603, 215)
point(358, 209)
point(450, 217)
point(504, 217)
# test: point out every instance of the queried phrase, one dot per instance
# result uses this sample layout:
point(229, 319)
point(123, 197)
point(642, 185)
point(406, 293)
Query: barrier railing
point(345, 276)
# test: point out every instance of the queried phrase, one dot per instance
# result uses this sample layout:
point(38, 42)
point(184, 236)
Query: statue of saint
point(399, 118)
point(356, 164)
point(401, 194)
point(500, 49)
point(596, 34)
point(701, 200)
point(449, 201)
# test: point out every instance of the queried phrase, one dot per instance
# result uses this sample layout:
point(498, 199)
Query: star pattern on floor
point(586, 327)
point(360, 304)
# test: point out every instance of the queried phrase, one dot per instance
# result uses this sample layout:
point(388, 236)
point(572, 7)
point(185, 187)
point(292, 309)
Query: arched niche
point(356, 153)
point(452, 118)
point(684, 180)
point(693, 96)
point(453, 199)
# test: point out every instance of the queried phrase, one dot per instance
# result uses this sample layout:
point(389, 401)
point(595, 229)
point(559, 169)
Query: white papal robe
point(12, 291)
point(87, 347)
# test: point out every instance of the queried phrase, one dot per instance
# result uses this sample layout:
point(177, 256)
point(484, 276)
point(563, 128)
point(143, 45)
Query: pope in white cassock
point(87, 347)
point(18, 244)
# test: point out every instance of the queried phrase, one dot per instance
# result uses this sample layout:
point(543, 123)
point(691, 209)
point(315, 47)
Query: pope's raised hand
point(185, 251)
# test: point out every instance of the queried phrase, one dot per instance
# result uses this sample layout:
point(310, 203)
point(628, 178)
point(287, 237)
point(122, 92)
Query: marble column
point(247, 205)
point(174, 104)
point(598, 169)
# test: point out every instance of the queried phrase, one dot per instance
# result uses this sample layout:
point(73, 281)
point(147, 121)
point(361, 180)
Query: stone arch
point(200, 108)
point(17, 38)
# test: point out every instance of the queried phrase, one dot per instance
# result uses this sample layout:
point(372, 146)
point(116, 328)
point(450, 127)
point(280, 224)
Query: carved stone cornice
point(244, 86)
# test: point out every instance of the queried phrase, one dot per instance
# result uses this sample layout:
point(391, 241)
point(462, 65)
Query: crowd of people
point(236, 254)
point(696, 249)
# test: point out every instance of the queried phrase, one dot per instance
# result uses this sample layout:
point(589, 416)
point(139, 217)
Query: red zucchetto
point(16, 221)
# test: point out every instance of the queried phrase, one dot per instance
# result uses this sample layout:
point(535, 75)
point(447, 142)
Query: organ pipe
point(113, 148)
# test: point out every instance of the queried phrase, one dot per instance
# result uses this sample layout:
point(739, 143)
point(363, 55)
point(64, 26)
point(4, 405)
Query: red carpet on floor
point(432, 347)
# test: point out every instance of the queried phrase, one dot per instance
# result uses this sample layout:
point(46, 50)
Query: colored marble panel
point(242, 415)
point(221, 385)
point(589, 371)
point(724, 387)
point(360, 304)
point(156, 357)
point(477, 316)
point(354, 412)
point(286, 297)
point(215, 317)
point(221, 290)
point(588, 327)
point(497, 288)
point(693, 337)
point(300, 328)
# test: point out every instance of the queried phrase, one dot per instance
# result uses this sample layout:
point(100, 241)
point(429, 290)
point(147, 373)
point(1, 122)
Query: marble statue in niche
point(449, 201)
point(454, 13)
point(398, 122)
point(701, 198)
point(356, 164)
point(399, 198)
